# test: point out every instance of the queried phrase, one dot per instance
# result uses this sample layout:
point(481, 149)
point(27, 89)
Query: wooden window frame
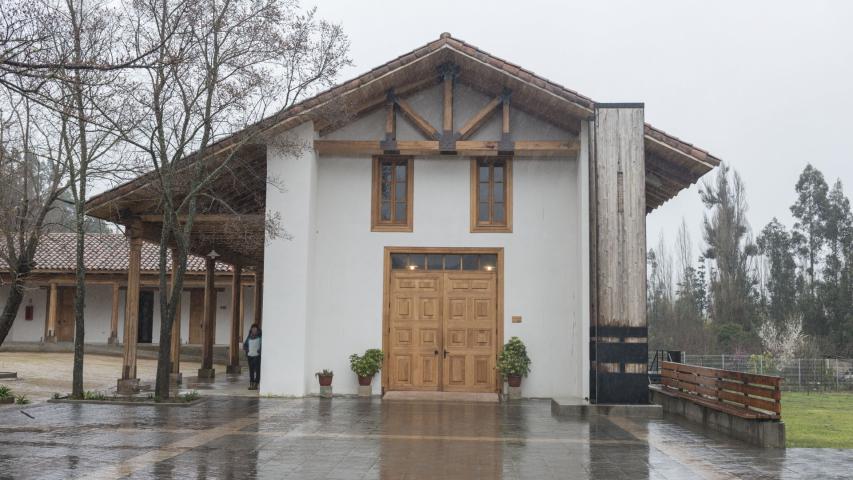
point(476, 226)
point(376, 203)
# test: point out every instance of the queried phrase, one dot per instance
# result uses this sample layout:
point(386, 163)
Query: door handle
point(436, 352)
point(445, 354)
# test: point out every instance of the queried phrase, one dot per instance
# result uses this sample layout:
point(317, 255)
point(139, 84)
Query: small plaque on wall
point(516, 319)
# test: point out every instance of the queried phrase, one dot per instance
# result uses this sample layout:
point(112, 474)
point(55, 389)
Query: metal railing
point(799, 374)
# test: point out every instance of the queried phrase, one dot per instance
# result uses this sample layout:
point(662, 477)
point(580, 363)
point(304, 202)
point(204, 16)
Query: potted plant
point(6, 395)
point(513, 362)
point(366, 366)
point(325, 377)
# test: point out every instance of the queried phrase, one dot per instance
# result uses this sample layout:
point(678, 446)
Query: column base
point(50, 339)
point(112, 341)
point(206, 373)
point(234, 369)
point(127, 386)
point(326, 392)
point(176, 378)
point(365, 390)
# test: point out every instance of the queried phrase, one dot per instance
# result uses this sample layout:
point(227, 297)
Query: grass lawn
point(818, 419)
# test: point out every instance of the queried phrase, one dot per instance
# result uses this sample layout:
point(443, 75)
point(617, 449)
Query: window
point(392, 194)
point(435, 262)
point(491, 195)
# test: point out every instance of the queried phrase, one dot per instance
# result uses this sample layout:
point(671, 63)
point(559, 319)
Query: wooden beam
point(417, 121)
point(236, 309)
point(447, 110)
point(52, 313)
point(209, 321)
point(390, 121)
point(258, 300)
point(505, 111)
point(206, 218)
point(114, 318)
point(242, 310)
point(463, 148)
point(128, 383)
point(479, 119)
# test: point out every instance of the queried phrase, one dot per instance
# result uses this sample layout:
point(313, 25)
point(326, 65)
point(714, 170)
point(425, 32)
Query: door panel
point(415, 331)
point(470, 331)
point(145, 331)
point(196, 316)
point(65, 319)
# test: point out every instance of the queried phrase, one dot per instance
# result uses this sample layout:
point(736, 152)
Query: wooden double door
point(442, 331)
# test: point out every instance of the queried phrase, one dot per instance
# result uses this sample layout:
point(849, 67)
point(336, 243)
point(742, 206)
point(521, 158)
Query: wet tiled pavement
point(350, 438)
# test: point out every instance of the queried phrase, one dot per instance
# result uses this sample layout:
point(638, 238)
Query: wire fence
point(798, 374)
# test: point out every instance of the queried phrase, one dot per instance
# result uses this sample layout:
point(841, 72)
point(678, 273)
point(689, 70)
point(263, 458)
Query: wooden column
point(128, 383)
point(208, 325)
point(618, 336)
point(258, 299)
point(175, 352)
point(52, 314)
point(114, 318)
point(242, 312)
point(236, 320)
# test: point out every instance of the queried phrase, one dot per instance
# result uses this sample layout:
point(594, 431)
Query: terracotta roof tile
point(103, 252)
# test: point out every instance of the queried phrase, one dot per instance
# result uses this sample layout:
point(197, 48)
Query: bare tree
point(221, 66)
point(86, 100)
point(31, 179)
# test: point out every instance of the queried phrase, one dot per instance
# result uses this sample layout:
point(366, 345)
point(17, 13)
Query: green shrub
point(368, 364)
point(513, 360)
point(325, 373)
point(5, 392)
point(190, 396)
point(22, 399)
point(92, 395)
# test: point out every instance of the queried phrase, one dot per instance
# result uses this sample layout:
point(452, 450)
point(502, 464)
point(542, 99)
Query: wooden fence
point(743, 394)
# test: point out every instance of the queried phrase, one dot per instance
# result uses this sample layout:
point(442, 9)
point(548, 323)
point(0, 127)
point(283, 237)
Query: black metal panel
point(618, 331)
point(621, 353)
point(622, 388)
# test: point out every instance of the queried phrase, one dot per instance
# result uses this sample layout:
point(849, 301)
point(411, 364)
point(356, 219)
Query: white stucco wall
point(324, 284)
point(24, 330)
point(99, 313)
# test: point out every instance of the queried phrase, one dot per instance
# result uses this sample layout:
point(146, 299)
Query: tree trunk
point(169, 298)
point(79, 306)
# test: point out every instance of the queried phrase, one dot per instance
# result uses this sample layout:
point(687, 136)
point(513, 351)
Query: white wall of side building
point(99, 314)
point(324, 282)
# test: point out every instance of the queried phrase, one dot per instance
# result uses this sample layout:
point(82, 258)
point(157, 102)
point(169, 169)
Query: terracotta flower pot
point(513, 380)
point(325, 380)
point(365, 381)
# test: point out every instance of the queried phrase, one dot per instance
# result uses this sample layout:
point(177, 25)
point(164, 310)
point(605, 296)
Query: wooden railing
point(743, 394)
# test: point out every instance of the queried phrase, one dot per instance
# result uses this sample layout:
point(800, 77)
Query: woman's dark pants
point(255, 369)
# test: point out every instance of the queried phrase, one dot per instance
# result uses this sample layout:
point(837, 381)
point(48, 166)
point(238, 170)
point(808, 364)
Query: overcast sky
point(764, 85)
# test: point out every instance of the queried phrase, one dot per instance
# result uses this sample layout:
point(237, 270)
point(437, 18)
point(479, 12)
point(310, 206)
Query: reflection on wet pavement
point(350, 438)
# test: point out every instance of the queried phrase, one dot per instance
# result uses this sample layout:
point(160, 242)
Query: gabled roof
point(104, 252)
point(672, 164)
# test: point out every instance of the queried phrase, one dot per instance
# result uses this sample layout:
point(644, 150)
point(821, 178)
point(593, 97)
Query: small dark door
point(146, 317)
point(196, 315)
point(65, 319)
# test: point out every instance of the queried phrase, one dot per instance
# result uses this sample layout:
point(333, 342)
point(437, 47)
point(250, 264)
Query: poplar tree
point(726, 234)
point(835, 293)
point(776, 245)
point(809, 210)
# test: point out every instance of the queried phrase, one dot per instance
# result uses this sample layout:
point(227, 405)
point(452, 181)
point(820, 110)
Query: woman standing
point(252, 347)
